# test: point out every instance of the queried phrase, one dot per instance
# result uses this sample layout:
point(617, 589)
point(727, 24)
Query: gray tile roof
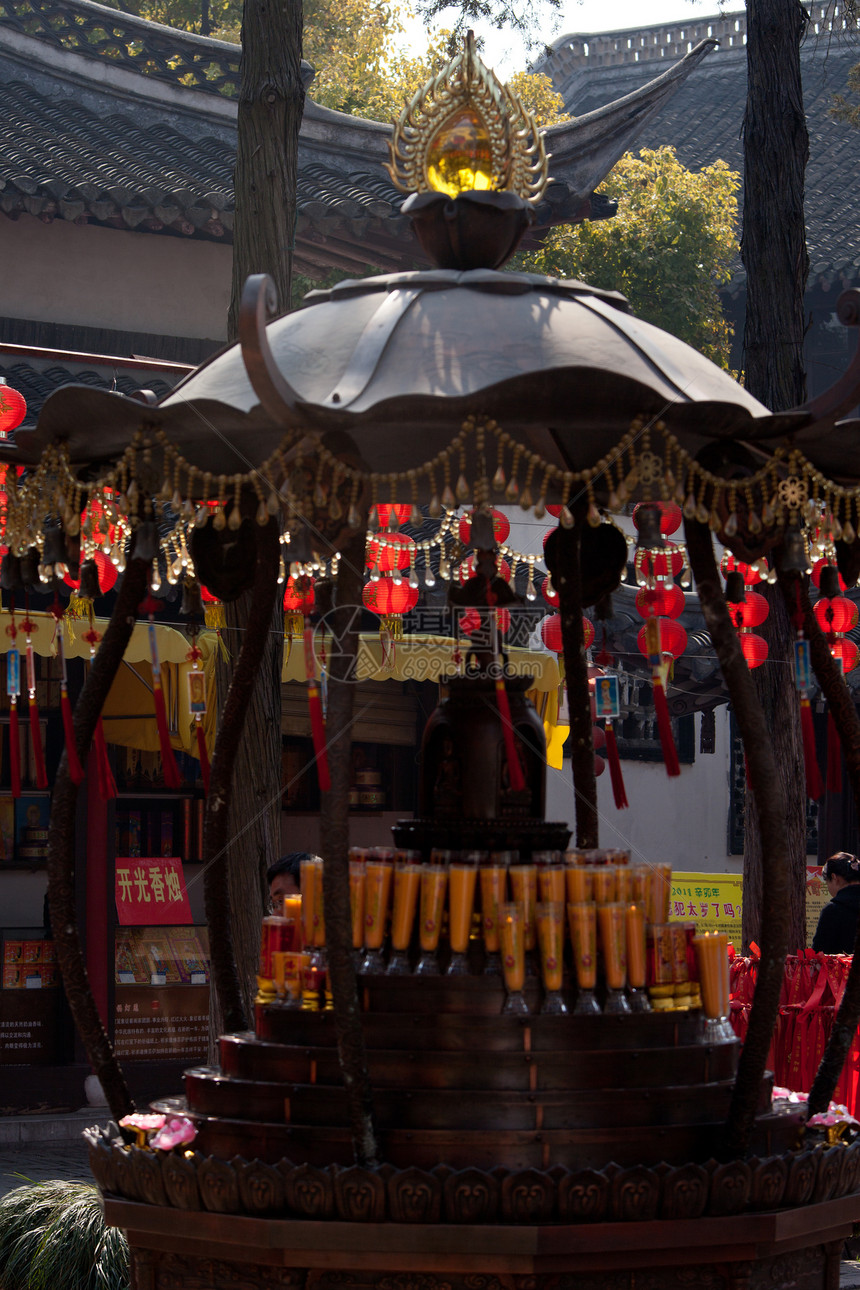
point(37, 381)
point(703, 121)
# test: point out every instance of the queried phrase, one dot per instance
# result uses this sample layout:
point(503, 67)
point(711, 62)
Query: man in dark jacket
point(837, 922)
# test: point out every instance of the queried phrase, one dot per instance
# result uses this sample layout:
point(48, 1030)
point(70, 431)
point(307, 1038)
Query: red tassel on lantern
point(316, 712)
point(618, 790)
point(664, 726)
point(14, 748)
point(834, 757)
point(515, 771)
point(203, 754)
point(107, 783)
point(814, 786)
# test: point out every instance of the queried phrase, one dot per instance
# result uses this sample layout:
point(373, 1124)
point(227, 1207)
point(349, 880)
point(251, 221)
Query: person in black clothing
point(837, 922)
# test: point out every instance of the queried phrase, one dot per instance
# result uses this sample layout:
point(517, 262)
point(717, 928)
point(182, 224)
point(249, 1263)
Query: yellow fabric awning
point(172, 644)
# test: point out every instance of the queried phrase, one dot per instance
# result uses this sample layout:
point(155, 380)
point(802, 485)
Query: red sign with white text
point(151, 891)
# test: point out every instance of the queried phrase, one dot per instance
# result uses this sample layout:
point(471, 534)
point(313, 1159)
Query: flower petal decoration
point(176, 1133)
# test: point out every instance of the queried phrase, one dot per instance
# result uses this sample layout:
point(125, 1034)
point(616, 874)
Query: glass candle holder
point(434, 880)
point(713, 962)
point(287, 968)
point(551, 883)
point(623, 884)
point(462, 882)
point(662, 879)
point(550, 928)
point(659, 956)
point(642, 891)
point(378, 874)
point(493, 878)
point(579, 883)
point(612, 926)
point(356, 899)
point(636, 958)
point(407, 883)
point(605, 885)
point(680, 967)
point(524, 890)
point(582, 921)
point(313, 919)
point(513, 951)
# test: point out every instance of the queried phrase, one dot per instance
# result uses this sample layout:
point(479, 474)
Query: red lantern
point(662, 565)
point(387, 597)
point(550, 630)
point(467, 568)
point(394, 551)
point(13, 409)
point(751, 612)
point(670, 516)
point(107, 573)
point(666, 600)
point(501, 527)
point(846, 651)
point(392, 510)
point(817, 570)
point(748, 572)
point(470, 621)
point(836, 615)
point(754, 648)
point(299, 595)
point(549, 594)
point(673, 638)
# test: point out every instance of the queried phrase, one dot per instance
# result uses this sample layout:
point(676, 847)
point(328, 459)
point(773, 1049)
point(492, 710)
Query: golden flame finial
point(465, 132)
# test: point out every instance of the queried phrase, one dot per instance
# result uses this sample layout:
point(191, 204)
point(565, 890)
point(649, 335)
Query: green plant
point(53, 1237)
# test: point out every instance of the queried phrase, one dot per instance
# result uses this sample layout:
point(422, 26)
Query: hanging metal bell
point(192, 602)
point(10, 573)
point(146, 541)
point(54, 546)
point(794, 557)
point(89, 588)
point(735, 589)
point(828, 584)
point(648, 522)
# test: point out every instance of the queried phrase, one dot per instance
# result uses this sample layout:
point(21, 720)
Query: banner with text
point(151, 890)
point(712, 901)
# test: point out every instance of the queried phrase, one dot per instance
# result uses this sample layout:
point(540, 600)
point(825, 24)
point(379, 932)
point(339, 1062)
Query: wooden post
point(334, 842)
point(844, 714)
point(61, 842)
point(766, 786)
point(224, 973)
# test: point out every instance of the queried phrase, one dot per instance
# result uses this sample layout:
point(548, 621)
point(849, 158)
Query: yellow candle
point(511, 930)
point(662, 892)
point(604, 885)
point(613, 941)
point(642, 889)
point(407, 880)
point(551, 882)
point(462, 880)
point(356, 902)
point(580, 883)
point(377, 892)
point(434, 879)
point(712, 958)
point(524, 885)
point(623, 883)
point(582, 920)
point(319, 912)
point(550, 926)
point(309, 898)
point(636, 967)
point(493, 889)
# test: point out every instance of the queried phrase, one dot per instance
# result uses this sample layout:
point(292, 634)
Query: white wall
point(101, 277)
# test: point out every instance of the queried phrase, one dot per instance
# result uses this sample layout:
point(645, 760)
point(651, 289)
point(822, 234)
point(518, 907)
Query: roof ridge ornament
point(466, 131)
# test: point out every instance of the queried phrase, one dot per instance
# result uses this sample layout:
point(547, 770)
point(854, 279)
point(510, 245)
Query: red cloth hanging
point(618, 791)
point(36, 741)
point(516, 778)
point(664, 726)
point(14, 748)
point(107, 783)
point(203, 754)
point(814, 786)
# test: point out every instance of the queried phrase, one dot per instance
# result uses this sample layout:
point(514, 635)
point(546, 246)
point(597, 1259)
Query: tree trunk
point(334, 841)
point(61, 843)
point(228, 901)
point(271, 101)
point(767, 788)
point(776, 693)
point(773, 243)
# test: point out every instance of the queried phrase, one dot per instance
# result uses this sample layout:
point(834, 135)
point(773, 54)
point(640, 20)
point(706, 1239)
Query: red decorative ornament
point(819, 567)
point(673, 638)
point(847, 651)
point(387, 597)
point(298, 595)
point(107, 574)
point(755, 648)
point(394, 551)
point(750, 574)
point(470, 621)
point(467, 569)
point(501, 527)
point(838, 614)
point(666, 600)
point(389, 511)
point(662, 565)
point(750, 612)
point(550, 594)
point(550, 631)
point(13, 409)
point(670, 516)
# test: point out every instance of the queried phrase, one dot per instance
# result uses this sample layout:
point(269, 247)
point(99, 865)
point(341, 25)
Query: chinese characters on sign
point(151, 891)
point(167, 1023)
point(712, 901)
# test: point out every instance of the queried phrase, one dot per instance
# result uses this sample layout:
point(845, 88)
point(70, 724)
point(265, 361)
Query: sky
point(505, 53)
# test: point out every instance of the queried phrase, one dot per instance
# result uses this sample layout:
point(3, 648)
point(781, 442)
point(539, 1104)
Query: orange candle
point(579, 879)
point(462, 879)
point(662, 892)
point(582, 920)
point(604, 885)
point(551, 882)
point(636, 969)
point(712, 958)
point(407, 881)
point(377, 893)
point(642, 891)
point(356, 902)
point(309, 897)
point(623, 883)
point(550, 927)
point(434, 879)
point(493, 891)
point(524, 885)
point(613, 941)
point(319, 911)
point(512, 936)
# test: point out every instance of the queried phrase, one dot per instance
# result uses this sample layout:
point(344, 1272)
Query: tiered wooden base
point(521, 1153)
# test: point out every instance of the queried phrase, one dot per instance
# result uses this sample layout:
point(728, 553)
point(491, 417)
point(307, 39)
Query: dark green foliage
point(53, 1237)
